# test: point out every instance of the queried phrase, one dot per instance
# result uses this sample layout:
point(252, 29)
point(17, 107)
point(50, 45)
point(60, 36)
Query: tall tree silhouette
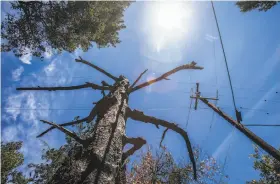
point(98, 156)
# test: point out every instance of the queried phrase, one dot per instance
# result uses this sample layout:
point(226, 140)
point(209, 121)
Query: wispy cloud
point(48, 54)
point(17, 73)
point(210, 38)
point(24, 109)
point(26, 58)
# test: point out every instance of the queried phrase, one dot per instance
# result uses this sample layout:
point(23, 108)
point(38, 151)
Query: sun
point(166, 24)
point(170, 16)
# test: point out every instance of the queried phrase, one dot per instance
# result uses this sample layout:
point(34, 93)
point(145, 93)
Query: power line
point(233, 99)
point(275, 125)
point(188, 116)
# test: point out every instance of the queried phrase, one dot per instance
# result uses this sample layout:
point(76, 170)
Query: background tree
point(162, 168)
point(246, 6)
point(65, 25)
point(268, 166)
point(53, 158)
point(11, 158)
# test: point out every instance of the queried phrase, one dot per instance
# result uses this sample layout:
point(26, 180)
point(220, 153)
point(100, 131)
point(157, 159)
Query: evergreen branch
point(97, 68)
point(140, 116)
point(64, 124)
point(138, 78)
point(164, 76)
point(87, 85)
point(67, 132)
point(137, 144)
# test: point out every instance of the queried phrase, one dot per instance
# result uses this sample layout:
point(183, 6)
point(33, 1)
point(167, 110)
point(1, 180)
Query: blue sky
point(153, 41)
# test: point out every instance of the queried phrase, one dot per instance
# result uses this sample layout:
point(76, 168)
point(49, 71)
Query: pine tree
point(39, 26)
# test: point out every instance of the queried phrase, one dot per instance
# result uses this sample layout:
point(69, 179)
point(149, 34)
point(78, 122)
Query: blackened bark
point(100, 161)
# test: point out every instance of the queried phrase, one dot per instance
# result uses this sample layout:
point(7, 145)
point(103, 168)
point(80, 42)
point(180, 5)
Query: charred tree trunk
point(100, 159)
point(97, 156)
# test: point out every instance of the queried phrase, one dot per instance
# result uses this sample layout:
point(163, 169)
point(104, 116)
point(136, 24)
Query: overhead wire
point(189, 112)
point(225, 59)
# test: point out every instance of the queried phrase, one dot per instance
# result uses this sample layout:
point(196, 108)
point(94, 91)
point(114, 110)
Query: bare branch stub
point(63, 124)
point(163, 136)
point(67, 132)
point(97, 68)
point(137, 144)
point(138, 78)
point(192, 65)
point(140, 116)
point(87, 85)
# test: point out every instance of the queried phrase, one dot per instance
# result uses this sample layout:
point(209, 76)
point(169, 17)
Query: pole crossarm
point(67, 132)
point(97, 68)
point(137, 144)
point(260, 142)
point(86, 85)
point(140, 116)
point(164, 76)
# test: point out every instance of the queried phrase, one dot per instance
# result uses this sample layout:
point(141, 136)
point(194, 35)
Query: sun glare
point(165, 27)
point(169, 16)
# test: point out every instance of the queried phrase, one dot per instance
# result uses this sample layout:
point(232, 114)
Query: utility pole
point(260, 142)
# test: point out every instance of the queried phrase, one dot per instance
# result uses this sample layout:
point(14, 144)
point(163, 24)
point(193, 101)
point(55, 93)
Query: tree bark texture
point(100, 160)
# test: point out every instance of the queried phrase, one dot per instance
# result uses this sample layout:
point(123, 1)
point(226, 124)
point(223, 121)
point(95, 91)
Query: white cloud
point(10, 134)
point(210, 38)
point(24, 109)
point(17, 73)
point(26, 58)
point(48, 54)
point(50, 68)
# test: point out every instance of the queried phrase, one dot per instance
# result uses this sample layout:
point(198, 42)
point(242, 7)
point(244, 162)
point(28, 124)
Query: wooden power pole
point(256, 139)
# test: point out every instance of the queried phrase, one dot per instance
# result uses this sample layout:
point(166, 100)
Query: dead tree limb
point(140, 116)
point(97, 68)
point(138, 78)
point(63, 124)
point(67, 132)
point(192, 65)
point(137, 144)
point(163, 136)
point(86, 85)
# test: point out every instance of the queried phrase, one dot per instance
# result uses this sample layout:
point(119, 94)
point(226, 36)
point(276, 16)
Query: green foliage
point(246, 6)
point(54, 158)
point(269, 168)
point(11, 158)
point(62, 25)
point(162, 168)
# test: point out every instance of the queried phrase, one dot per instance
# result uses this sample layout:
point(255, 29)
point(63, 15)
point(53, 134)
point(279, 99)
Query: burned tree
point(98, 156)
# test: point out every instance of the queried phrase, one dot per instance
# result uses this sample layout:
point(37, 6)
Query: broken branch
point(162, 137)
point(64, 124)
point(138, 78)
point(87, 85)
point(140, 116)
point(192, 65)
point(137, 144)
point(67, 132)
point(96, 67)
